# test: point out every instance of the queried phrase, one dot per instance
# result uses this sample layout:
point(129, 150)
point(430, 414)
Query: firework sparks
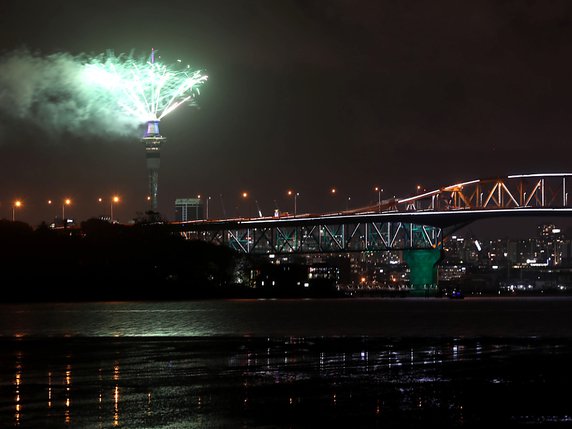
point(146, 90)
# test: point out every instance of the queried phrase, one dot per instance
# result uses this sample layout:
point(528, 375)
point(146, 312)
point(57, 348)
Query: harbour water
point(287, 363)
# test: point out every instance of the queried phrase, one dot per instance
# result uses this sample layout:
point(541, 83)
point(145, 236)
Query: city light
point(17, 204)
point(296, 195)
point(207, 199)
point(379, 191)
point(112, 200)
point(66, 202)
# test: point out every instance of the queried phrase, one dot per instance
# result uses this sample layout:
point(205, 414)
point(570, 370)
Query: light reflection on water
point(277, 382)
point(291, 363)
point(478, 317)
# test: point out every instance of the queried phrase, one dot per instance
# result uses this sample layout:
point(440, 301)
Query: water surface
point(287, 363)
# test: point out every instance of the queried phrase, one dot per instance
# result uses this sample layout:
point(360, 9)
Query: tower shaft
point(153, 141)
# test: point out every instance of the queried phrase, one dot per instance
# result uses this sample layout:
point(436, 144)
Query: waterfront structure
point(416, 225)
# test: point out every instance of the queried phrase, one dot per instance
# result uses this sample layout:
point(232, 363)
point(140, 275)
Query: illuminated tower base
point(153, 141)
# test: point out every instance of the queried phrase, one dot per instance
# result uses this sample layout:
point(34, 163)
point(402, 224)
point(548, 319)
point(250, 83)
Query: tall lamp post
point(114, 199)
point(207, 205)
point(420, 189)
point(379, 191)
point(333, 192)
point(245, 196)
point(17, 204)
point(50, 202)
point(66, 202)
point(296, 195)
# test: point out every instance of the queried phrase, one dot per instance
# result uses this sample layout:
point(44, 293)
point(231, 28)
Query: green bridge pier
point(422, 264)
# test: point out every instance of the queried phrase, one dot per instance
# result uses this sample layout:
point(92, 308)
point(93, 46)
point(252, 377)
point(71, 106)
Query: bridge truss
point(516, 191)
point(276, 238)
point(420, 221)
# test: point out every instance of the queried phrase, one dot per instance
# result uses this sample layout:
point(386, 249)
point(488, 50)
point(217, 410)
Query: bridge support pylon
point(422, 265)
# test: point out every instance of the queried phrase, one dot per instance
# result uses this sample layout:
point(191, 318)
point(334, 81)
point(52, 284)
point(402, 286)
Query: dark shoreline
point(73, 294)
point(101, 290)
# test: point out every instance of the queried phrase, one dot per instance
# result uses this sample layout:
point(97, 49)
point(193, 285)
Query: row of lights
point(292, 193)
point(66, 202)
point(115, 199)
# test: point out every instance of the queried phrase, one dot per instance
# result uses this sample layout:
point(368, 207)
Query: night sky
point(303, 95)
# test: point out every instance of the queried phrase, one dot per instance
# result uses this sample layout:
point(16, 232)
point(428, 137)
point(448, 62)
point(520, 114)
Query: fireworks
point(145, 90)
point(102, 95)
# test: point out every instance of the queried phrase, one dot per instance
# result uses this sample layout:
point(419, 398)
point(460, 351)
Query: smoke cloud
point(51, 91)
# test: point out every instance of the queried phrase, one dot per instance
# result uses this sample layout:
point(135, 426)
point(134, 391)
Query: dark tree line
point(103, 261)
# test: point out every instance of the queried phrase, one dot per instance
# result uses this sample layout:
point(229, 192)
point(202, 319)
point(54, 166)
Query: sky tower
point(146, 91)
point(153, 141)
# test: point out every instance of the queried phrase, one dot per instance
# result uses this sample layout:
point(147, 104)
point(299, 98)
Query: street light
point(245, 196)
point(207, 205)
point(296, 195)
point(114, 199)
point(65, 203)
point(333, 193)
point(17, 204)
point(379, 191)
point(50, 202)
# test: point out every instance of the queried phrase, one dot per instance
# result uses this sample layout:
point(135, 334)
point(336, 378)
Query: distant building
point(324, 272)
point(555, 247)
point(188, 209)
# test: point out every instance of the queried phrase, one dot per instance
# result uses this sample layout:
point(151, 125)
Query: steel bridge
point(416, 222)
